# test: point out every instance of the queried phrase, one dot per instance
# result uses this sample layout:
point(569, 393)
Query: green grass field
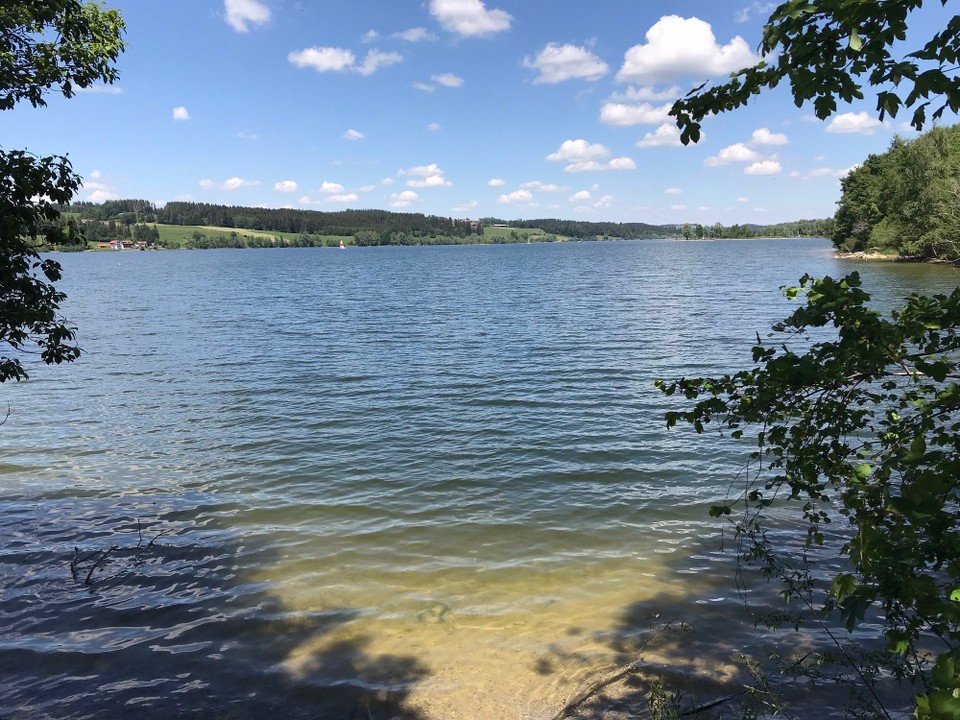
point(178, 235)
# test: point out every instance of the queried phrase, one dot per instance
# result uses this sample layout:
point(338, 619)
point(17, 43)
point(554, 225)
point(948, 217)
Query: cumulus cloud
point(517, 196)
point(331, 187)
point(415, 35)
point(496, 182)
point(581, 196)
point(99, 196)
point(736, 153)
point(285, 186)
point(849, 123)
point(557, 63)
point(448, 80)
point(370, 36)
point(578, 151)
point(679, 47)
point(625, 115)
point(374, 60)
point(666, 135)
point(181, 114)
point(423, 87)
point(207, 184)
point(342, 198)
point(582, 156)
point(352, 134)
point(764, 167)
point(404, 199)
point(433, 127)
point(426, 176)
point(323, 59)
point(469, 18)
point(241, 12)
point(762, 136)
point(673, 191)
point(331, 59)
point(235, 183)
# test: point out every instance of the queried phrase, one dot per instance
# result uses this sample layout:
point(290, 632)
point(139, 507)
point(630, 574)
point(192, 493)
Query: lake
point(427, 482)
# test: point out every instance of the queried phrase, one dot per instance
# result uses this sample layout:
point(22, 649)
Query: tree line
point(905, 201)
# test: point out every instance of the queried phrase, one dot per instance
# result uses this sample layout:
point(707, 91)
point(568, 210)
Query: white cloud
point(517, 196)
point(743, 199)
point(100, 89)
point(578, 151)
point(625, 115)
point(414, 35)
point(180, 113)
point(736, 153)
point(622, 163)
point(469, 18)
point(387, 181)
point(375, 60)
point(582, 156)
point(207, 184)
point(448, 80)
point(647, 94)
point(235, 183)
point(426, 176)
point(557, 63)
point(433, 127)
point(370, 36)
point(285, 186)
point(352, 134)
point(666, 135)
point(679, 47)
point(423, 87)
point(581, 196)
point(756, 8)
point(96, 175)
point(241, 12)
point(678, 207)
point(496, 182)
point(331, 187)
point(765, 167)
point(323, 59)
point(542, 187)
point(404, 199)
point(339, 198)
point(860, 123)
point(367, 188)
point(243, 135)
point(762, 136)
point(99, 196)
point(331, 59)
point(673, 191)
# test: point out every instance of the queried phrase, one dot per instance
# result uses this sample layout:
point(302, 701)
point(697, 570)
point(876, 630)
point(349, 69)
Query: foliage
point(906, 200)
point(45, 45)
point(828, 50)
point(856, 424)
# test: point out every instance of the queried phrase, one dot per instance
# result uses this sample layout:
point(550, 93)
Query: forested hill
point(381, 227)
point(905, 201)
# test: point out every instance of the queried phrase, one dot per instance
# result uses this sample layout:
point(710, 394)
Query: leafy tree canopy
point(45, 45)
point(828, 50)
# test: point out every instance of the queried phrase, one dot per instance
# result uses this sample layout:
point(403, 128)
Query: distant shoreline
point(888, 257)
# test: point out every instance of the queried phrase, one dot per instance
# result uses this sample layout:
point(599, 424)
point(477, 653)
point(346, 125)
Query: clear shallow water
point(421, 482)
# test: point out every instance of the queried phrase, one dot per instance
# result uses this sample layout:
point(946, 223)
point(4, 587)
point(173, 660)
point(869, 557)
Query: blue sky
point(464, 108)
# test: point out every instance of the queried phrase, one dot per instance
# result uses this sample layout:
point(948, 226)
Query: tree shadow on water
point(177, 627)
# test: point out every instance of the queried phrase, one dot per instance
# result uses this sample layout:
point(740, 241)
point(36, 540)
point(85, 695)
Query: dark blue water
point(418, 482)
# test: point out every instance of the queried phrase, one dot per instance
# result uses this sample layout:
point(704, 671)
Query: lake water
point(387, 482)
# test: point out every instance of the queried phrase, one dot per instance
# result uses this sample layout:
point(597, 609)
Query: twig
point(593, 689)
